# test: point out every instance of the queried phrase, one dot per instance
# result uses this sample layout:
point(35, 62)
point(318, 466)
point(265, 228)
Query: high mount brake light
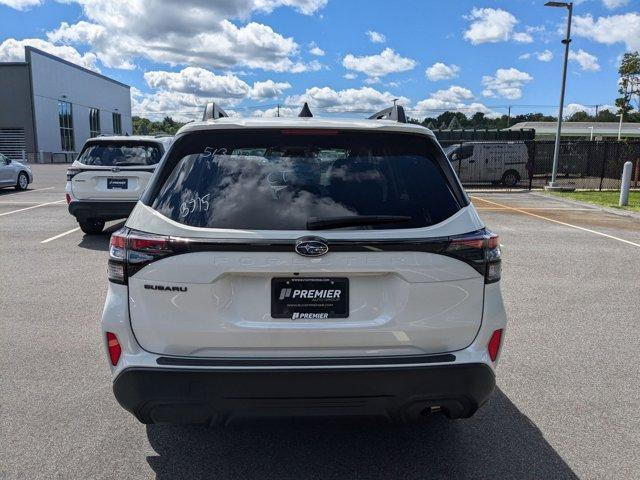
point(130, 251)
point(309, 131)
point(481, 250)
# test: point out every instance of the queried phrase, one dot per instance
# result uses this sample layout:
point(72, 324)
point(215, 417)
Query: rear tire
point(510, 178)
point(91, 226)
point(23, 181)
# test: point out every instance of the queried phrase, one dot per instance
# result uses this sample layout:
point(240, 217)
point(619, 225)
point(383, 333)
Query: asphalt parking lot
point(568, 384)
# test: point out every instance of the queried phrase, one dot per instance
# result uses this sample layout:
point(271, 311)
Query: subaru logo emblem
point(311, 247)
point(115, 169)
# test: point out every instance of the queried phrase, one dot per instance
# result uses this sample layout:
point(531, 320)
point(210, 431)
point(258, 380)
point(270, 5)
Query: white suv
point(109, 175)
point(303, 266)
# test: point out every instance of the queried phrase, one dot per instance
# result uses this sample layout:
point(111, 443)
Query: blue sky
point(340, 55)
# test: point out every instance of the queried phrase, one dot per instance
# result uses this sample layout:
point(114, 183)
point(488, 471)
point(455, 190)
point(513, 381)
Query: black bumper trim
point(101, 210)
point(305, 362)
point(204, 396)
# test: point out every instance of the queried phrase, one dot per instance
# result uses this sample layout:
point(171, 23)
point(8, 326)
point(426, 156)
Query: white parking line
point(27, 191)
point(17, 203)
point(61, 235)
point(29, 208)
point(595, 232)
point(566, 209)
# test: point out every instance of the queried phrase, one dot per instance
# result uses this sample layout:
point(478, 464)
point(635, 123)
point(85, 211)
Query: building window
point(117, 124)
point(65, 115)
point(94, 122)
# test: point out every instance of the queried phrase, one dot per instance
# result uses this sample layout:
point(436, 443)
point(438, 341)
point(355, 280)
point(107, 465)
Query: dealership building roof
point(581, 129)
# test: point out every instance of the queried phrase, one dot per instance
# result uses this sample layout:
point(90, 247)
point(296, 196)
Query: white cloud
point(182, 107)
point(21, 4)
point(12, 50)
point(379, 65)
point(454, 98)
point(206, 85)
point(522, 37)
point(307, 7)
point(613, 4)
point(275, 111)
point(591, 110)
point(376, 37)
point(585, 60)
point(491, 25)
point(268, 89)
point(545, 56)
point(190, 32)
point(365, 99)
point(315, 50)
point(350, 76)
point(440, 71)
point(198, 81)
point(609, 30)
point(506, 83)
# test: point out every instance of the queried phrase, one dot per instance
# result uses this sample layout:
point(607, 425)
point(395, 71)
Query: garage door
point(12, 142)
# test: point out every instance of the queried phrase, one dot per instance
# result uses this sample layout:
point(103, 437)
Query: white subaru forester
point(303, 266)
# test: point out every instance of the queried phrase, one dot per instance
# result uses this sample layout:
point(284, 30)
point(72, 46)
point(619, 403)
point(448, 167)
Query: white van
point(503, 162)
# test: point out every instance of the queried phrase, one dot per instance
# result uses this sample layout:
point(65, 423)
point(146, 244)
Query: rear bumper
point(101, 210)
point(206, 396)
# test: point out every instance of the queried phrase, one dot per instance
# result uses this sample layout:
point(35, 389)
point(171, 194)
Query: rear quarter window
point(281, 179)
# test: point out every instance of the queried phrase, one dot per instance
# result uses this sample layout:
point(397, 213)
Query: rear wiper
point(353, 221)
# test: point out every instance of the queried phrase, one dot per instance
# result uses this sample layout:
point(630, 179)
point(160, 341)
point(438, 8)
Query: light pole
point(620, 127)
point(566, 41)
point(591, 134)
point(624, 86)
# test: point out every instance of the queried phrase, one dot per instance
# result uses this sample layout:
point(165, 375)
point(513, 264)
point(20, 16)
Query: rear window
point(282, 179)
point(109, 154)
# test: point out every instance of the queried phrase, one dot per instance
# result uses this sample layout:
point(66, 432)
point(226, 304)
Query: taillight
point(129, 251)
point(494, 344)
point(72, 172)
point(113, 347)
point(68, 197)
point(481, 250)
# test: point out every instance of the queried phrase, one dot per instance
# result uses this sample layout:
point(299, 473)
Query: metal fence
point(40, 157)
point(582, 164)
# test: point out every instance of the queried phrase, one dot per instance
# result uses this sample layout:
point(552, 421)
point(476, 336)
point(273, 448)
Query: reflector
point(494, 344)
point(113, 346)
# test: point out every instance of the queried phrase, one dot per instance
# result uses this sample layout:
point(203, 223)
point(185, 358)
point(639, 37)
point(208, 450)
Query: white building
point(49, 107)
point(585, 130)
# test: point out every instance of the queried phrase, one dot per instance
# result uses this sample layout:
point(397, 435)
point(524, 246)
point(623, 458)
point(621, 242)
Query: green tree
point(606, 116)
point(629, 85)
point(580, 116)
point(144, 126)
point(478, 120)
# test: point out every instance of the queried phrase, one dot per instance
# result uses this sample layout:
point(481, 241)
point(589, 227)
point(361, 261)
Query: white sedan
point(14, 174)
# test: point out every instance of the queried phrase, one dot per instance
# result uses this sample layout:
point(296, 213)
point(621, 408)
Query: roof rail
point(392, 113)
point(213, 111)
